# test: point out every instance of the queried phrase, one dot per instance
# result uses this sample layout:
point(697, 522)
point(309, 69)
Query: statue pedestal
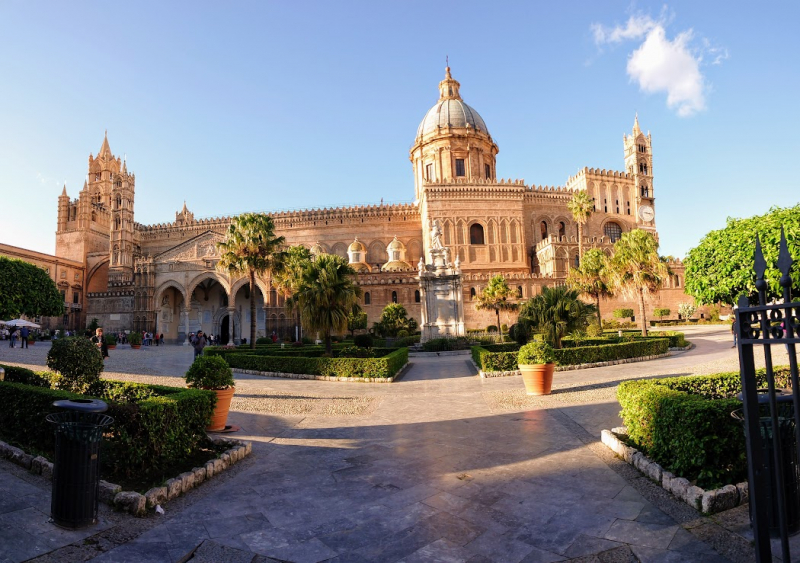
point(442, 297)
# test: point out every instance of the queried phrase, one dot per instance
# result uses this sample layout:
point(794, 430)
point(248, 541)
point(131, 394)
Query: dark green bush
point(446, 344)
point(384, 366)
point(355, 352)
point(363, 340)
point(154, 427)
point(535, 353)
point(77, 360)
point(209, 372)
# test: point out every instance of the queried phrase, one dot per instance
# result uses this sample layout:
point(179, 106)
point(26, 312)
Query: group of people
point(149, 338)
point(15, 334)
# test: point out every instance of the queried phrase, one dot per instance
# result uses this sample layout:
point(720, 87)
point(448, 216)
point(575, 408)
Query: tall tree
point(720, 268)
point(251, 247)
point(591, 278)
point(496, 296)
point(636, 268)
point(394, 318)
point(26, 289)
point(556, 312)
point(581, 207)
point(287, 278)
point(326, 295)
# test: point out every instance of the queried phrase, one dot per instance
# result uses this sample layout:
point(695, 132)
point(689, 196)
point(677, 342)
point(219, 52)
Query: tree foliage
point(251, 247)
point(720, 268)
point(496, 296)
point(78, 361)
point(394, 318)
point(591, 278)
point(356, 320)
point(556, 312)
point(636, 268)
point(26, 289)
point(286, 279)
point(326, 294)
point(581, 207)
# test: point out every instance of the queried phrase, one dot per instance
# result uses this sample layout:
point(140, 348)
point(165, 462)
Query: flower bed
point(385, 366)
point(154, 427)
point(685, 424)
point(489, 360)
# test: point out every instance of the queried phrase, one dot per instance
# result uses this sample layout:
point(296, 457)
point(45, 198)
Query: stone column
point(231, 314)
point(186, 312)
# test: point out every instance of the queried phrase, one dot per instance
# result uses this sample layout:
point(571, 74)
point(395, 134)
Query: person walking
point(23, 340)
point(100, 342)
point(13, 337)
point(734, 328)
point(199, 343)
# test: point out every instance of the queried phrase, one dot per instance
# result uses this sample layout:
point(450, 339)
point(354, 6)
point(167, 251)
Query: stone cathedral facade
point(162, 277)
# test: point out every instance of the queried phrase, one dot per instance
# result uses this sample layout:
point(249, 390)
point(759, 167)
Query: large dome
point(451, 113)
point(450, 110)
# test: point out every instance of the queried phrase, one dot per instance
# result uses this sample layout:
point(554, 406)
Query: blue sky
point(260, 106)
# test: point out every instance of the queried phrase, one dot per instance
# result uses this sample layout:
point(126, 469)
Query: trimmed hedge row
point(154, 426)
point(306, 352)
point(685, 424)
point(507, 361)
point(385, 366)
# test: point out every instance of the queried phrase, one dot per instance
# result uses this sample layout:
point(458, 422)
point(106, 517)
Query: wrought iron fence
point(772, 426)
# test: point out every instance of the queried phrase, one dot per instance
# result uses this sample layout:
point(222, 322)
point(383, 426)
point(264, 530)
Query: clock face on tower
point(646, 213)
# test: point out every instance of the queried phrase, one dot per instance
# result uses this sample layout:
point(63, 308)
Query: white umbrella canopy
point(21, 322)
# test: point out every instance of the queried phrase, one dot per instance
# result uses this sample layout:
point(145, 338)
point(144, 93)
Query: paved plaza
point(439, 466)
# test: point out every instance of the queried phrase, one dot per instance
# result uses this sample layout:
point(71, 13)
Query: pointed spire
point(105, 150)
point(184, 210)
point(64, 191)
point(636, 130)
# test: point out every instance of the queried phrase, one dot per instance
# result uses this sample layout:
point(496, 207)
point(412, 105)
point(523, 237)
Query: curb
point(131, 501)
point(707, 502)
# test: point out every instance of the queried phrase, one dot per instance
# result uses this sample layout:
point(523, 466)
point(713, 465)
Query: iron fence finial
point(785, 262)
point(760, 267)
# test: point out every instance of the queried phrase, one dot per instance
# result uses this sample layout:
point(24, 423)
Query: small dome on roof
point(317, 249)
point(356, 246)
point(395, 245)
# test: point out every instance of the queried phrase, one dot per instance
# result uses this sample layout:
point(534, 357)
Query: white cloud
point(661, 64)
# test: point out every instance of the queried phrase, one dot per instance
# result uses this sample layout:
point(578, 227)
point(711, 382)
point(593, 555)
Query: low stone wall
point(131, 501)
point(708, 502)
point(323, 377)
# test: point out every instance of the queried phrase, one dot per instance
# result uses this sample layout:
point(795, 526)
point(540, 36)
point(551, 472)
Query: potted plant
point(535, 361)
point(31, 339)
point(111, 341)
point(213, 373)
point(135, 340)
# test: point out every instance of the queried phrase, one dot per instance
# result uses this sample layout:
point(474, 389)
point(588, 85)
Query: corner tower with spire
point(639, 164)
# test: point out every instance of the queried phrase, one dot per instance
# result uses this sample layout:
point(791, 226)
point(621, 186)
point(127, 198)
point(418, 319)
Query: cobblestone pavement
point(439, 466)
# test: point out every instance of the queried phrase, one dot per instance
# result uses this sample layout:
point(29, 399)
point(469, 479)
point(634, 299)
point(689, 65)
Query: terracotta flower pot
point(538, 378)
point(136, 346)
point(112, 347)
point(220, 416)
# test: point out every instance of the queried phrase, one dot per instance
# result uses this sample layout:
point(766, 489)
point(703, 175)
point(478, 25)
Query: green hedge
point(685, 424)
point(489, 360)
point(277, 352)
point(447, 344)
point(385, 366)
point(154, 426)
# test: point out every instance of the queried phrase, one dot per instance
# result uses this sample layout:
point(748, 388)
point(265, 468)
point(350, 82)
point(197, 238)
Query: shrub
point(77, 360)
point(355, 352)
point(383, 366)
point(154, 427)
point(209, 372)
point(594, 330)
point(307, 340)
point(402, 333)
point(363, 340)
point(504, 328)
point(491, 328)
point(661, 313)
point(535, 353)
point(110, 339)
point(684, 424)
point(686, 310)
point(623, 313)
point(521, 331)
point(135, 338)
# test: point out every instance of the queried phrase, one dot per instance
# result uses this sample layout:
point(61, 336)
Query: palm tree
point(556, 312)
point(287, 278)
point(495, 297)
point(581, 207)
point(326, 295)
point(636, 269)
point(251, 247)
point(591, 278)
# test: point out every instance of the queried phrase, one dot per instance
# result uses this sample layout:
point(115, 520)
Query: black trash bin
point(76, 468)
point(791, 470)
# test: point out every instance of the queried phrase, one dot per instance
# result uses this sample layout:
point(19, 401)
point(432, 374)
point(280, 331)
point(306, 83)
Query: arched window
point(367, 298)
point(416, 296)
point(472, 293)
point(577, 262)
point(519, 292)
point(562, 229)
point(613, 231)
point(543, 229)
point(476, 234)
point(394, 297)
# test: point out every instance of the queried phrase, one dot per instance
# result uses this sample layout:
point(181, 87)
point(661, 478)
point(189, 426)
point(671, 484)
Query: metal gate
point(764, 326)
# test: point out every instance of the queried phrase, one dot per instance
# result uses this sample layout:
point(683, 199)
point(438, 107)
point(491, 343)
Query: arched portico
point(169, 302)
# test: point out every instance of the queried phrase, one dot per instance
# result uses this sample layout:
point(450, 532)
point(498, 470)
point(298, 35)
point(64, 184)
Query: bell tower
point(639, 164)
point(121, 239)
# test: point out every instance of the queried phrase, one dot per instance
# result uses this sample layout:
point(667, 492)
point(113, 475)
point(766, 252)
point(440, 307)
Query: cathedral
point(162, 277)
